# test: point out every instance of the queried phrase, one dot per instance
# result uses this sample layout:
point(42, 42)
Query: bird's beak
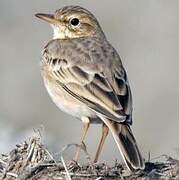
point(47, 17)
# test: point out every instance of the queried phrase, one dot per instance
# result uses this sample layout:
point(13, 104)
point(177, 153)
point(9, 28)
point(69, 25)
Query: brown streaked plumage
point(85, 77)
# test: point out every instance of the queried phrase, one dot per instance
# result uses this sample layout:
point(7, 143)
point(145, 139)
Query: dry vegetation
point(31, 160)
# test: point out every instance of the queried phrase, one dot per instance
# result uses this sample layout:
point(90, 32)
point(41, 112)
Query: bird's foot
point(73, 165)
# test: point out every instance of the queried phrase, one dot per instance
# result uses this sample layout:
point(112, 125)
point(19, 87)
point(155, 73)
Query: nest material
point(31, 160)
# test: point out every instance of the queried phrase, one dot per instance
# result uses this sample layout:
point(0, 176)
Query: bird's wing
point(101, 85)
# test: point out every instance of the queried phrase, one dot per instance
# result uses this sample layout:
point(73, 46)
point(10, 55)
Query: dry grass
point(31, 160)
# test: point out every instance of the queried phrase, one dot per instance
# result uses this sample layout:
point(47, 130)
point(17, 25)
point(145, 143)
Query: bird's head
point(72, 22)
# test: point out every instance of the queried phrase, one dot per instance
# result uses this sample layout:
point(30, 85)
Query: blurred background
point(146, 35)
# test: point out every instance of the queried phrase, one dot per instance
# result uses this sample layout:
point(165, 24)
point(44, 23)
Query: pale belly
point(67, 103)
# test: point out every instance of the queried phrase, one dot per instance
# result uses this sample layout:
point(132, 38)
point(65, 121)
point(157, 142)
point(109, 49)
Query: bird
point(85, 77)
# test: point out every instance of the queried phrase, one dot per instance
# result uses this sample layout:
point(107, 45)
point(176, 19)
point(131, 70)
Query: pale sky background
point(146, 35)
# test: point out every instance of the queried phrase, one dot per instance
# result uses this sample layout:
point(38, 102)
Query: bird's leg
point(105, 131)
point(86, 124)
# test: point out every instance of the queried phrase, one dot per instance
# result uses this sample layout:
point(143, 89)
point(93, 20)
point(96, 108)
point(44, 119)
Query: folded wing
point(102, 86)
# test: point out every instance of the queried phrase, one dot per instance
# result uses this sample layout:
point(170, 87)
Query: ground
point(31, 160)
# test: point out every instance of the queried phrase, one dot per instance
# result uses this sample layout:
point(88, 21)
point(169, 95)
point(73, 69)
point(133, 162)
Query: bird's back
point(90, 67)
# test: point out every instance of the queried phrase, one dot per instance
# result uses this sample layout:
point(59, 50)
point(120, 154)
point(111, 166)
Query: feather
point(102, 86)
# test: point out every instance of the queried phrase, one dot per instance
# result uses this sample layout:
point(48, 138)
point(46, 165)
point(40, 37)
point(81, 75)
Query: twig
point(12, 174)
point(82, 146)
point(67, 173)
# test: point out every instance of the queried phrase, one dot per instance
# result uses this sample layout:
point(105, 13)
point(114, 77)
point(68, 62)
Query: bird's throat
point(58, 32)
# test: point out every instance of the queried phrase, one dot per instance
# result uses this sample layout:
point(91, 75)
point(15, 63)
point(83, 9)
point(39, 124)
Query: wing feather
point(102, 86)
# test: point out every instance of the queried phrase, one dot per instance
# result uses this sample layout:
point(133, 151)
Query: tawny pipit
point(85, 77)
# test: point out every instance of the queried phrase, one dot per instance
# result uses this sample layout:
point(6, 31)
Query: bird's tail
point(127, 145)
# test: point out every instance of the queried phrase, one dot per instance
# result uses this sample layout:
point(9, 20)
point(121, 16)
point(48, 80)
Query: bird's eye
point(75, 21)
